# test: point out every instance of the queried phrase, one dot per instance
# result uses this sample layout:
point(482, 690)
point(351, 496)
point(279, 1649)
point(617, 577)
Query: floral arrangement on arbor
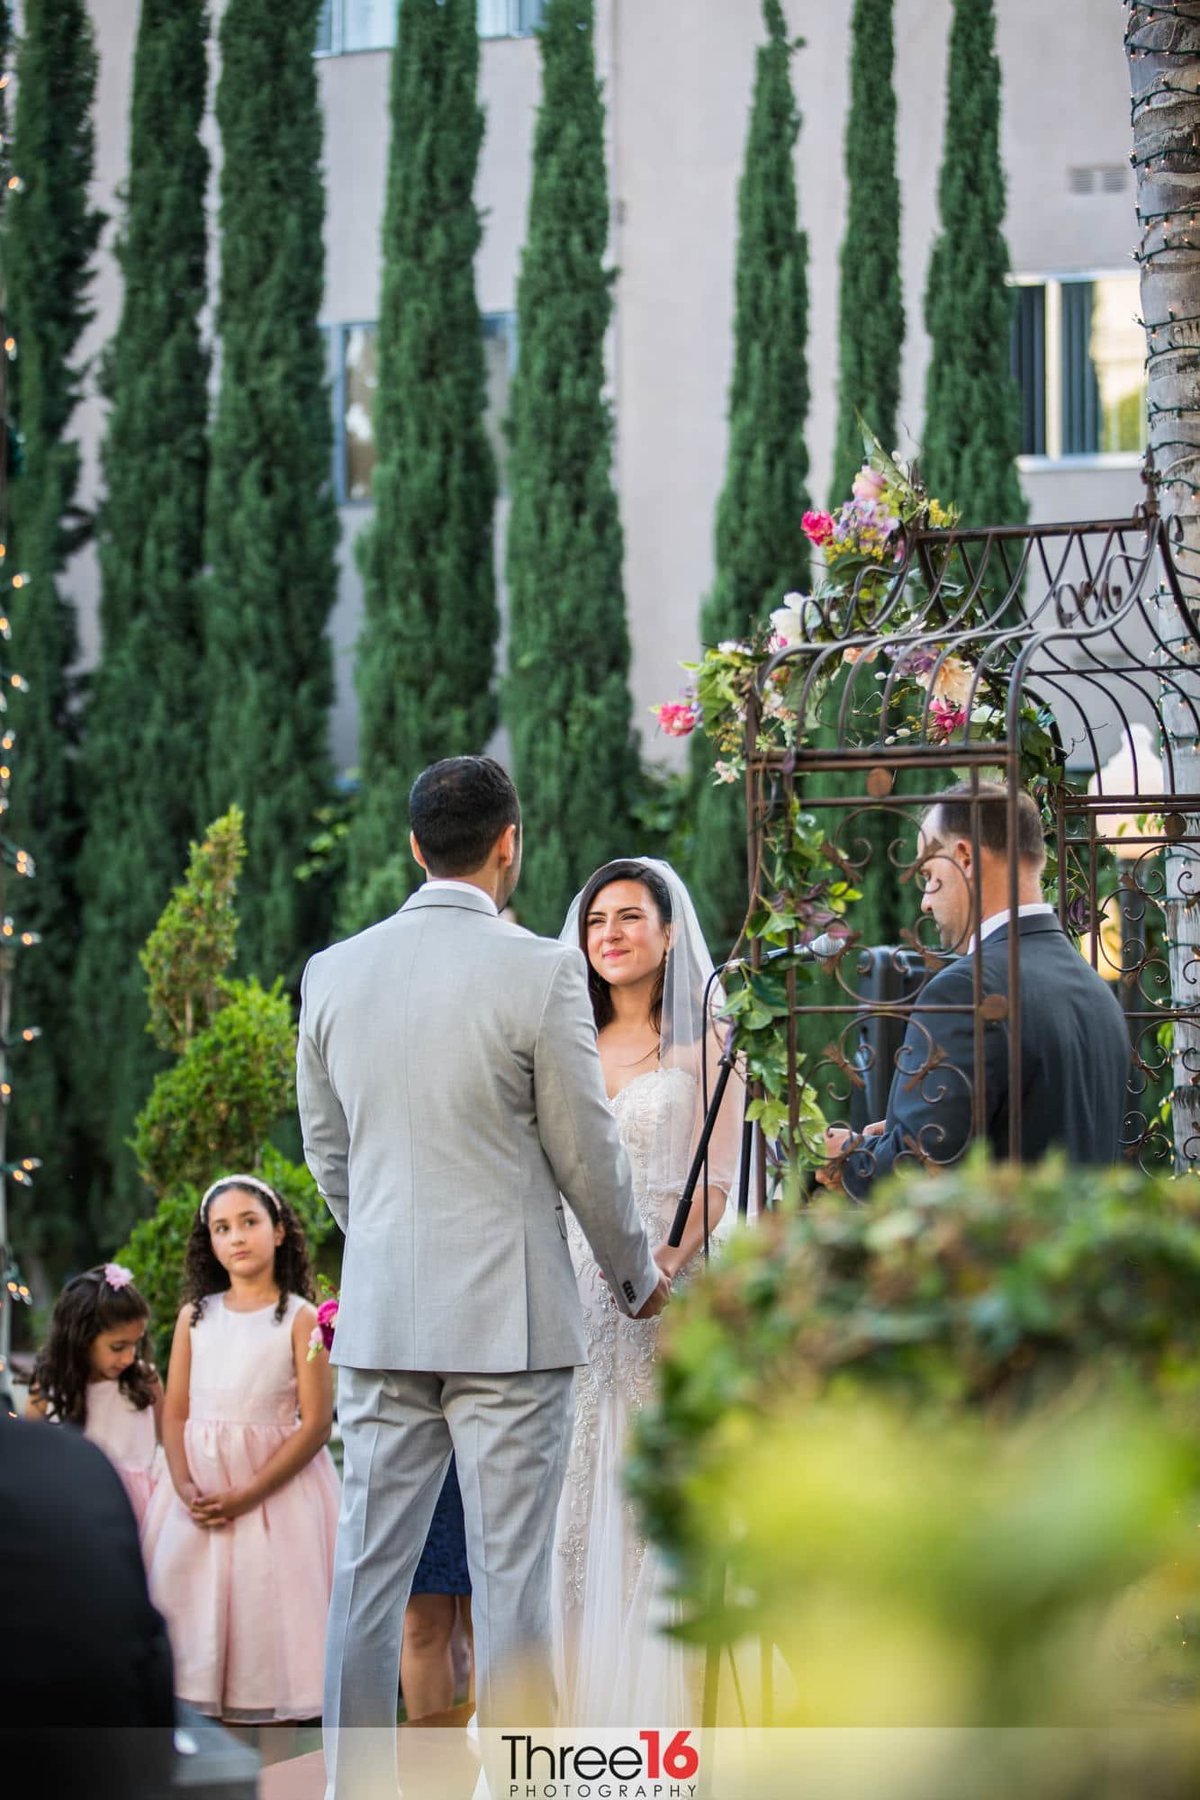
point(869, 599)
point(884, 642)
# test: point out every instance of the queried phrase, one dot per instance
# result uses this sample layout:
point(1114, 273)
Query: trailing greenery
point(142, 755)
point(566, 699)
point(271, 521)
point(870, 301)
point(426, 653)
point(761, 551)
point(50, 235)
point(972, 417)
point(233, 1080)
point(955, 1339)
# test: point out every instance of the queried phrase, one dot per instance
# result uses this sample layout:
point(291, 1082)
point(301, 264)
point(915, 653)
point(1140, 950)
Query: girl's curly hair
point(87, 1306)
point(203, 1274)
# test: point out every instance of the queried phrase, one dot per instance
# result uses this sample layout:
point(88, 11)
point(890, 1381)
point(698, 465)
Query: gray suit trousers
point(511, 1435)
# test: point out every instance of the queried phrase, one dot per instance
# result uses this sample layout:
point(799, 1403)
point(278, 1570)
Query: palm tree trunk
point(1162, 43)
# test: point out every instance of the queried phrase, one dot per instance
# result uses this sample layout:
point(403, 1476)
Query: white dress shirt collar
point(448, 881)
point(991, 925)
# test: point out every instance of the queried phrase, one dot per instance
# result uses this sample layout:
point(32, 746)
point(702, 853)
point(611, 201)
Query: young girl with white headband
point(239, 1542)
point(93, 1373)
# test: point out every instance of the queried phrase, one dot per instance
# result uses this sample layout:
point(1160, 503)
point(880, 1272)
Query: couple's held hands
point(839, 1143)
point(664, 1256)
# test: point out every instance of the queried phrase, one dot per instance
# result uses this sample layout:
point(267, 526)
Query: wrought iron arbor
point(975, 648)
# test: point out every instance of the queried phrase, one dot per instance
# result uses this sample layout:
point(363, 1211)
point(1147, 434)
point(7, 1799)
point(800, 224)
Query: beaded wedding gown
point(612, 1665)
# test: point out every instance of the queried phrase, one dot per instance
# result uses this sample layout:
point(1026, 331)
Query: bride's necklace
point(654, 1049)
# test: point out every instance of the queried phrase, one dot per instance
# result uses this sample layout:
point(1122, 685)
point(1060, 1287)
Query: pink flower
point(677, 718)
point(817, 527)
point(945, 718)
point(327, 1314)
point(868, 484)
point(117, 1276)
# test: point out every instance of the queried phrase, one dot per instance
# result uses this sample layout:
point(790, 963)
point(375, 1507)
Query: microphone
point(822, 949)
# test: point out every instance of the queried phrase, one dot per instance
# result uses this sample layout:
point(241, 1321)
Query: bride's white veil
point(691, 1038)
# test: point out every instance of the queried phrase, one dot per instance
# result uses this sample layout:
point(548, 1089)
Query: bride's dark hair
point(625, 869)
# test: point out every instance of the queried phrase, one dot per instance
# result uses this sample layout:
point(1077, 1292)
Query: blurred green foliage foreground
point(943, 1454)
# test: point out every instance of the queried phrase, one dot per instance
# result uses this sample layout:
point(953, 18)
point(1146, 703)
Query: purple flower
point(1079, 913)
point(916, 663)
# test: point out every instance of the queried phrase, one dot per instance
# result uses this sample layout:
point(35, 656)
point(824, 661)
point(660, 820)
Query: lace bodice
point(647, 1113)
point(656, 1109)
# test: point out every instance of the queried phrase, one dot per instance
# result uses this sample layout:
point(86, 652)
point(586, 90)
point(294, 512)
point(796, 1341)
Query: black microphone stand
point(725, 1068)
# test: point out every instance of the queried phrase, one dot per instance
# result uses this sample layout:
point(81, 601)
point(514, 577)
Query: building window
point(354, 382)
point(1079, 358)
point(509, 18)
point(346, 25)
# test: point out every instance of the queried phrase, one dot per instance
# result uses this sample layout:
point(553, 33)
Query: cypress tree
point(870, 345)
point(870, 305)
point(141, 764)
point(567, 700)
point(761, 550)
point(271, 521)
point(972, 421)
point(49, 239)
point(427, 650)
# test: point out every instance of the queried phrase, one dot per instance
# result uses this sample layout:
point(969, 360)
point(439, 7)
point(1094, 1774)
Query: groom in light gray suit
point(450, 1092)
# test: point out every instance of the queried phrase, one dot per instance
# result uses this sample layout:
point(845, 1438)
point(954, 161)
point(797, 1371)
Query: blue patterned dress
point(443, 1565)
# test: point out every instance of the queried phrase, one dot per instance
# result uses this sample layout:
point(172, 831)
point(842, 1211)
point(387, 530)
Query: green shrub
point(231, 1087)
point(989, 1300)
point(929, 1569)
point(214, 1109)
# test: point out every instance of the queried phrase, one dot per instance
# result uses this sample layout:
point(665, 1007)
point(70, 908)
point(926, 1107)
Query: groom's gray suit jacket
point(450, 1092)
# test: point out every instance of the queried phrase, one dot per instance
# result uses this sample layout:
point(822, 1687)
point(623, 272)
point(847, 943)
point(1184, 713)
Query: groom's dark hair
point(457, 808)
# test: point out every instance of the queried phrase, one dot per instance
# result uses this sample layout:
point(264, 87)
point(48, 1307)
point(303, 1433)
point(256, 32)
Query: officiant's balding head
point(963, 857)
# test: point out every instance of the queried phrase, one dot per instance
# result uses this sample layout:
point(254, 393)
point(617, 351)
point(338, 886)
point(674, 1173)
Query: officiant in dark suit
point(1075, 1051)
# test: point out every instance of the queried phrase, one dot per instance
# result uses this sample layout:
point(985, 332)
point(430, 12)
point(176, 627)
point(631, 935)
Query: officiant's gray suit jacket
point(450, 1093)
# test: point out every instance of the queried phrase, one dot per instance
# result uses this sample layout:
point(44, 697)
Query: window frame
point(337, 34)
point(1052, 282)
point(337, 333)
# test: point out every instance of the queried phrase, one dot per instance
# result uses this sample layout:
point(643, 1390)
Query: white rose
point(797, 619)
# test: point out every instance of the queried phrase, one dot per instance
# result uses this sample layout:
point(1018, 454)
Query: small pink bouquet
point(321, 1337)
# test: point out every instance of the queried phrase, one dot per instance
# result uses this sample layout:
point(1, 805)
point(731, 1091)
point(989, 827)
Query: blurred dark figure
point(85, 1666)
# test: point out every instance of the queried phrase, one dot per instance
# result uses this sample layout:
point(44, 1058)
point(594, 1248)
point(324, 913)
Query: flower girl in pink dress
point(92, 1374)
point(239, 1542)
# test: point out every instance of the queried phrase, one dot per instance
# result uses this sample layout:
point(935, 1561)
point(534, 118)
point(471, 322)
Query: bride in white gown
point(647, 973)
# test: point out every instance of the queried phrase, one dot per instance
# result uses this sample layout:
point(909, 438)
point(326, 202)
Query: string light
point(9, 931)
point(12, 936)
